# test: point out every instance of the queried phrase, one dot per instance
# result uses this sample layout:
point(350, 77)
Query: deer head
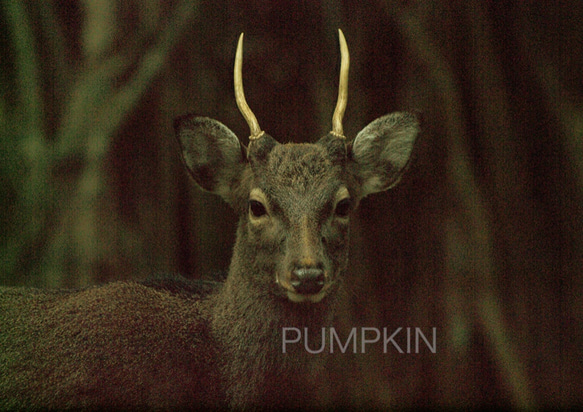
point(294, 200)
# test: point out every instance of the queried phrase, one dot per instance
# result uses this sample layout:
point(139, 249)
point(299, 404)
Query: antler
point(256, 131)
point(342, 88)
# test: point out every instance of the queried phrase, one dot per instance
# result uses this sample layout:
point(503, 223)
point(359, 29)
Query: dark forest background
point(483, 239)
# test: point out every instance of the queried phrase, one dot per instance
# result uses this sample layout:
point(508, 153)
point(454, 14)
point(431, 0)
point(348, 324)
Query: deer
point(175, 343)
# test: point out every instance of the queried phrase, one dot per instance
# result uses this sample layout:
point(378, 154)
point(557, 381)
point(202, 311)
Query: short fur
point(172, 344)
point(124, 345)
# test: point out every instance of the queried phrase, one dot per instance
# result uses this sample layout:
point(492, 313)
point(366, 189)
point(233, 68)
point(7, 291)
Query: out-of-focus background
point(483, 239)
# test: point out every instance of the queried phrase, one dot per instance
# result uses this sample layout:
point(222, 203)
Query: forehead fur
point(300, 167)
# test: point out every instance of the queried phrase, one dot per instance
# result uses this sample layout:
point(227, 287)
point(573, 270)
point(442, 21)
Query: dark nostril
point(307, 281)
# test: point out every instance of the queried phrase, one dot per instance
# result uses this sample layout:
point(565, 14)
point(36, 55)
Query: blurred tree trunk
point(64, 202)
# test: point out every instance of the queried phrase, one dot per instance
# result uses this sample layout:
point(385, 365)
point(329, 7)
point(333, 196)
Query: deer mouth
point(299, 293)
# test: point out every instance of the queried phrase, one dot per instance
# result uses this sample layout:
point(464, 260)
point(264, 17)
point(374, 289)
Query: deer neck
point(248, 323)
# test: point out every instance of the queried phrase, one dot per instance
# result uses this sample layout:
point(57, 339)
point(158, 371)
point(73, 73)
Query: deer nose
point(307, 280)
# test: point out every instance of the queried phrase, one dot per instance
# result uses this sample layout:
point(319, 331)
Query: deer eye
point(256, 208)
point(343, 207)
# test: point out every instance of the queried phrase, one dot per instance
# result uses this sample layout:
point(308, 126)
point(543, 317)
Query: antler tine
point(337, 129)
point(256, 131)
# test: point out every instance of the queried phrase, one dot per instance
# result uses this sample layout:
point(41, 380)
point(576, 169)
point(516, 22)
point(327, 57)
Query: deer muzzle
point(305, 284)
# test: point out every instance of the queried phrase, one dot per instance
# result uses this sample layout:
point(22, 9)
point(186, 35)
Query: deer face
point(297, 219)
point(295, 200)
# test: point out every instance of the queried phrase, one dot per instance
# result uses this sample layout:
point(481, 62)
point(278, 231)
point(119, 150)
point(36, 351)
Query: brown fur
point(124, 345)
point(174, 344)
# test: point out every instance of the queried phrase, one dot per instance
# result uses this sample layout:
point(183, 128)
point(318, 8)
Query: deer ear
point(211, 152)
point(382, 150)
